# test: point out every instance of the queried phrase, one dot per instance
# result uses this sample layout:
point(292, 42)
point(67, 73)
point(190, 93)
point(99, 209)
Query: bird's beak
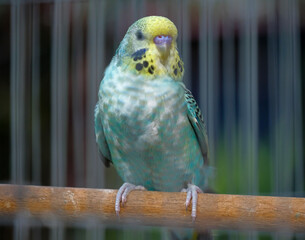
point(163, 44)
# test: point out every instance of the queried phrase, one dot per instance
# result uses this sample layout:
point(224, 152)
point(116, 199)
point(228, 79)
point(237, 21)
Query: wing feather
point(103, 147)
point(196, 119)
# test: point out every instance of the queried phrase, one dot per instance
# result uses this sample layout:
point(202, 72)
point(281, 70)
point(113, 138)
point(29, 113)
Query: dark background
point(244, 62)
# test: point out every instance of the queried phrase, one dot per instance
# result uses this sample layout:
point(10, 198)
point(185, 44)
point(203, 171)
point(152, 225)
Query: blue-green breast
point(147, 130)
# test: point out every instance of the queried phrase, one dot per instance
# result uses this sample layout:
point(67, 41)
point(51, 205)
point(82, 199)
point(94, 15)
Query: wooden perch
point(215, 211)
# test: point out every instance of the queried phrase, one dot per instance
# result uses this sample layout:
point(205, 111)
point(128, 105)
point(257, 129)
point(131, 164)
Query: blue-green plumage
point(147, 123)
point(147, 130)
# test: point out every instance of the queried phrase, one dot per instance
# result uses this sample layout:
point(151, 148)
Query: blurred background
point(244, 62)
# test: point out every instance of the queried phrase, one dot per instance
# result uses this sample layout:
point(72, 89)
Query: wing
point(196, 119)
point(100, 138)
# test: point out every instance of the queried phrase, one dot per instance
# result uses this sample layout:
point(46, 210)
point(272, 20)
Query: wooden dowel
point(215, 211)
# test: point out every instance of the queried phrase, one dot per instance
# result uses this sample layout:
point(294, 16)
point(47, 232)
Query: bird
point(147, 123)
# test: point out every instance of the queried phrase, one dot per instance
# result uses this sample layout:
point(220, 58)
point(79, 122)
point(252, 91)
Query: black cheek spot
point(152, 60)
point(139, 66)
point(175, 71)
point(180, 66)
point(152, 67)
point(145, 64)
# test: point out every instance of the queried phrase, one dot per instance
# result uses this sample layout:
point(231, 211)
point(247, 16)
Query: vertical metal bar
point(91, 156)
point(14, 89)
point(229, 85)
point(178, 21)
point(36, 134)
point(21, 152)
point(254, 131)
point(77, 75)
point(17, 95)
point(142, 8)
point(59, 93)
point(36, 127)
point(134, 12)
point(208, 81)
point(297, 99)
point(139, 7)
point(248, 98)
point(59, 101)
point(203, 58)
point(94, 172)
point(282, 98)
point(55, 171)
point(162, 7)
point(284, 115)
point(21, 228)
point(186, 44)
point(95, 69)
point(17, 92)
point(212, 107)
point(273, 95)
point(243, 102)
point(285, 121)
point(57, 231)
point(272, 92)
point(118, 19)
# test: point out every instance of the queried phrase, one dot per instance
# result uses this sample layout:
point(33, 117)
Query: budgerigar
point(147, 123)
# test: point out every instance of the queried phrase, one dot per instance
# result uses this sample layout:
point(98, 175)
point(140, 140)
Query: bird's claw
point(122, 194)
point(192, 194)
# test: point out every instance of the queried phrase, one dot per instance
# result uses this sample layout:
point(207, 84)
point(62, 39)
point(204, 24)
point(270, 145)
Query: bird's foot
point(122, 194)
point(192, 193)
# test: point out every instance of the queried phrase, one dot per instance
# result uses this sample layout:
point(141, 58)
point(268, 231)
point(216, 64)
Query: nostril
point(161, 39)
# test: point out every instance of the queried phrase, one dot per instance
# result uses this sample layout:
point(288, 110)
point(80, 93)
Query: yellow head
point(149, 48)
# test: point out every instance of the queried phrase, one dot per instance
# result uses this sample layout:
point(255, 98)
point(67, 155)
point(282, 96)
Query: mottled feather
point(195, 116)
point(103, 147)
point(147, 123)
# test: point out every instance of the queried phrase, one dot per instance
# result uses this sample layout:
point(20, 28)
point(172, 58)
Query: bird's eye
point(139, 35)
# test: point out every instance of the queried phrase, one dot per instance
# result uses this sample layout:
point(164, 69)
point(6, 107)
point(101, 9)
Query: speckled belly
point(150, 138)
